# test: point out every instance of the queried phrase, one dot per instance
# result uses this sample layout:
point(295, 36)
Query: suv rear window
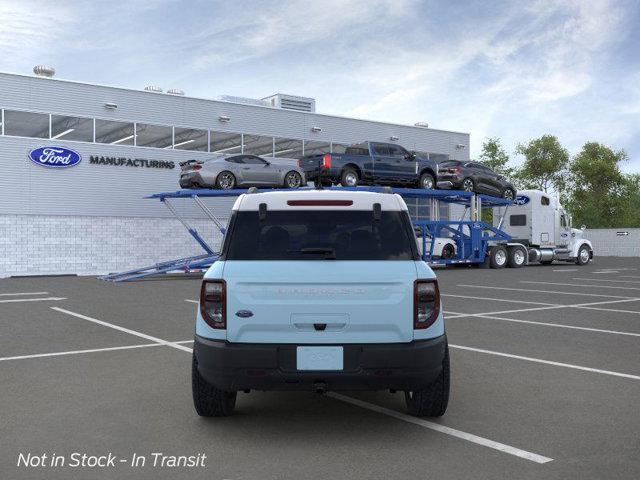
point(320, 235)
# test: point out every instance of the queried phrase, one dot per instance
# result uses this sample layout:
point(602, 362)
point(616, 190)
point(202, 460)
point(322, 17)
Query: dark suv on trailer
point(474, 177)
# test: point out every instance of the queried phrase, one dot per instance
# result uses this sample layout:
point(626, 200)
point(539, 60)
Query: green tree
point(631, 201)
point(545, 165)
point(495, 157)
point(599, 193)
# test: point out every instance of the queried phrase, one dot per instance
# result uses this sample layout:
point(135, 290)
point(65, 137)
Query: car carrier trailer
point(466, 241)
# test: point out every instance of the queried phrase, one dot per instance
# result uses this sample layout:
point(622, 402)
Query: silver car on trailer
point(241, 170)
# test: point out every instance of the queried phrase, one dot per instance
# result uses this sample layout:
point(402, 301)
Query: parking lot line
point(45, 299)
point(91, 350)
point(566, 270)
point(544, 324)
point(605, 280)
point(23, 293)
point(123, 329)
point(617, 287)
point(469, 437)
point(190, 301)
point(547, 362)
point(547, 291)
point(492, 299)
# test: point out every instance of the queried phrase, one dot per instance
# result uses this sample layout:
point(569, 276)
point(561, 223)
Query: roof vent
point(44, 71)
point(422, 124)
point(292, 102)
point(175, 91)
point(153, 88)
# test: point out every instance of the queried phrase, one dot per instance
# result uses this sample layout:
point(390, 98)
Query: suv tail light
point(426, 303)
point(299, 162)
point(326, 160)
point(213, 303)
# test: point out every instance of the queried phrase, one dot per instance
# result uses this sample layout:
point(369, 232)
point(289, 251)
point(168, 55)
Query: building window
point(224, 142)
point(114, 133)
point(190, 139)
point(258, 145)
point(312, 147)
point(287, 148)
point(72, 128)
point(26, 124)
point(157, 136)
point(338, 147)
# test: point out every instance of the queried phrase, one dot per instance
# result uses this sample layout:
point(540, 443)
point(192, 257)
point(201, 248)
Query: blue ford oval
point(56, 157)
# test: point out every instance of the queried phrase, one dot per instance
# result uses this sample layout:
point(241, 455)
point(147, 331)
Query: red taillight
point(319, 203)
point(426, 303)
point(326, 160)
point(299, 162)
point(213, 303)
point(196, 167)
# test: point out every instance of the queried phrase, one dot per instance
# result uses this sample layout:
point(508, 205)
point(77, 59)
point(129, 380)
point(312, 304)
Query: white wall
point(607, 242)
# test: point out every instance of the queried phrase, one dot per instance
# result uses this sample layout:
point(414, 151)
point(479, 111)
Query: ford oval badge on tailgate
point(244, 313)
point(56, 157)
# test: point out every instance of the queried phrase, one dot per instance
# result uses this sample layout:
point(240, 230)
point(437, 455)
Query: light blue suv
point(320, 290)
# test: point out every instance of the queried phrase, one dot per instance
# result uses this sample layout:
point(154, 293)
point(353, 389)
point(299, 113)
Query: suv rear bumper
point(397, 366)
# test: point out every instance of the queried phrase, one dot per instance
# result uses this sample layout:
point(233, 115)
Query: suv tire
point(433, 400)
point(207, 399)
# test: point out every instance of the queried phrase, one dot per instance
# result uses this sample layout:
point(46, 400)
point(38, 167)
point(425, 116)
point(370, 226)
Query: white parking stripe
point(492, 299)
point(45, 299)
point(547, 362)
point(605, 280)
point(547, 291)
point(123, 329)
point(566, 270)
point(91, 350)
point(545, 324)
point(469, 437)
point(617, 287)
point(23, 293)
point(190, 301)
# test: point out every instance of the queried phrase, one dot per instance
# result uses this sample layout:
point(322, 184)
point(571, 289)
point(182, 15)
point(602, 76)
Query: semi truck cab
point(538, 221)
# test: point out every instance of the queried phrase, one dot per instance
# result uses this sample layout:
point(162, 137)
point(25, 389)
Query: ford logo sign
point(521, 200)
point(56, 157)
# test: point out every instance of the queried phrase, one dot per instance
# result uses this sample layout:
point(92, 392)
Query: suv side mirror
point(410, 156)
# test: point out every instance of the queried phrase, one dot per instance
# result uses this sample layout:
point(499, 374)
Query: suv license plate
point(320, 358)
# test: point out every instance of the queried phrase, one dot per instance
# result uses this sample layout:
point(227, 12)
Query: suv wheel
point(208, 400)
point(349, 178)
point(468, 185)
point(433, 400)
point(508, 194)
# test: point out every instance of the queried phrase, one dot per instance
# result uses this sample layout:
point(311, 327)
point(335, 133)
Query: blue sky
point(515, 70)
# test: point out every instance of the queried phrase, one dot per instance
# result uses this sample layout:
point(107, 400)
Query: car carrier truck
point(539, 226)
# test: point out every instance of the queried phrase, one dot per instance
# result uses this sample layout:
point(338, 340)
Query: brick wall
point(39, 244)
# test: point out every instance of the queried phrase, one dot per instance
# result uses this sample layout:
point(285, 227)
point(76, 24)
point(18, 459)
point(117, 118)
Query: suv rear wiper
point(330, 253)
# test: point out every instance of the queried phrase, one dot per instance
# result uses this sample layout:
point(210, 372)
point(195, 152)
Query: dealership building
point(91, 217)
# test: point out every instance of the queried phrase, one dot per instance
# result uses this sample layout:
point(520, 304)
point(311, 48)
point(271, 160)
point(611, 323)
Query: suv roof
point(360, 200)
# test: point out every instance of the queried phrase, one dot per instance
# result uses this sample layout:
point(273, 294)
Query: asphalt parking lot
point(545, 384)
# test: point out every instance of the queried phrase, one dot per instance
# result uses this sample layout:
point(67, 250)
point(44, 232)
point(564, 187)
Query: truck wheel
point(431, 401)
point(208, 400)
point(427, 182)
point(349, 178)
point(583, 255)
point(517, 257)
point(498, 257)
